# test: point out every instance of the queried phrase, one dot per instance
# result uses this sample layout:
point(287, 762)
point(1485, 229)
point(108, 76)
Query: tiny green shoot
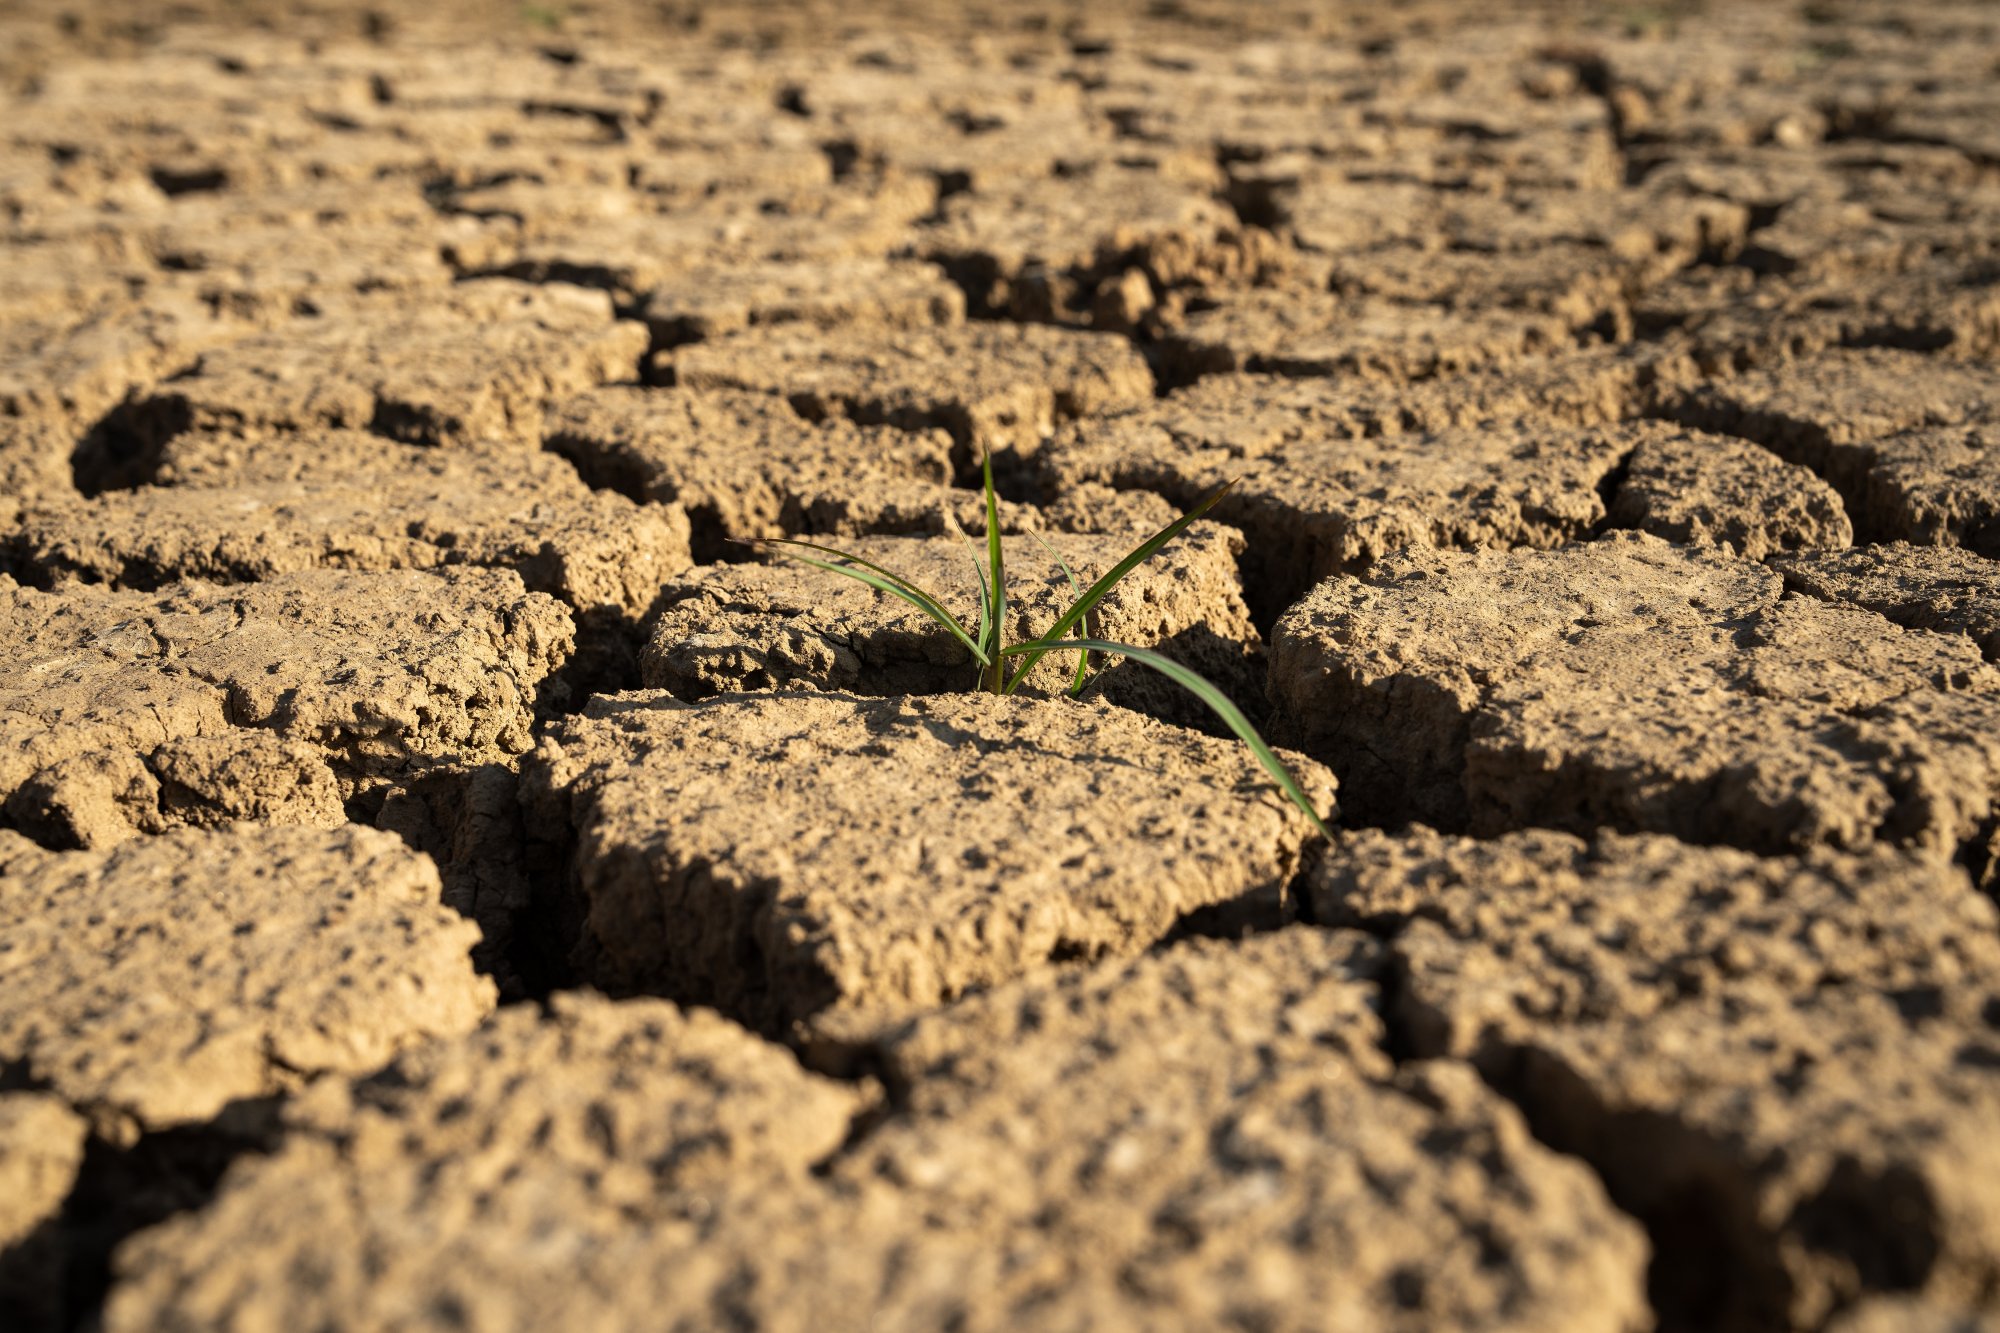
point(543, 16)
point(1069, 633)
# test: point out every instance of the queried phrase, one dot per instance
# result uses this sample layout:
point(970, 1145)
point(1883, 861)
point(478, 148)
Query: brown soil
point(154, 983)
point(452, 877)
point(1235, 1094)
point(1646, 1041)
point(1632, 684)
point(779, 882)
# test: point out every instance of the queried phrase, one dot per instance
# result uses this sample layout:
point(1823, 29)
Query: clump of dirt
point(858, 860)
point(1783, 1051)
point(1635, 685)
point(1051, 1150)
point(238, 963)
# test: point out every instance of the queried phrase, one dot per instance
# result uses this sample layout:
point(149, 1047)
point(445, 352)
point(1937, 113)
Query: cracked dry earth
point(448, 883)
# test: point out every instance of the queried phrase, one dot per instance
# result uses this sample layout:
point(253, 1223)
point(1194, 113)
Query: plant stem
point(997, 587)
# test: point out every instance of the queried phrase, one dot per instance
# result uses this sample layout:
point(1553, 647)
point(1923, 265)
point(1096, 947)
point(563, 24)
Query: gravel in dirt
point(1048, 1151)
point(785, 857)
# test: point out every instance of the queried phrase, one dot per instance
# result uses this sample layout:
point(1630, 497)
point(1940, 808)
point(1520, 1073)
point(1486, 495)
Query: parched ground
point(454, 877)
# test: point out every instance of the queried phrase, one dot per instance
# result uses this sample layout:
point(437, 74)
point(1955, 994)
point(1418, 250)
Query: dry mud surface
point(452, 877)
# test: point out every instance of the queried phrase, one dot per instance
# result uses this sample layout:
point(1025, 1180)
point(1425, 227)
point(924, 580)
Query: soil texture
point(461, 870)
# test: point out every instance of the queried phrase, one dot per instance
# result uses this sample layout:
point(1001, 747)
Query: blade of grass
point(1202, 689)
point(881, 580)
point(910, 591)
point(1110, 580)
point(1075, 586)
point(997, 591)
point(979, 570)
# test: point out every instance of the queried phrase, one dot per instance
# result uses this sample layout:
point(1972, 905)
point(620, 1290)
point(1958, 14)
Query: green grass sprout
point(996, 591)
point(1070, 633)
point(544, 16)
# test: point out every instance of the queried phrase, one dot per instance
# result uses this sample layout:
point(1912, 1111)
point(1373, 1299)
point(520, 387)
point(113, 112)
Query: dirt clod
point(236, 510)
point(380, 673)
point(478, 368)
point(1792, 1051)
point(41, 1147)
point(153, 983)
point(747, 465)
point(995, 387)
point(1903, 437)
point(1699, 487)
point(869, 916)
point(1640, 686)
point(1323, 486)
point(1054, 1148)
point(713, 303)
point(1949, 591)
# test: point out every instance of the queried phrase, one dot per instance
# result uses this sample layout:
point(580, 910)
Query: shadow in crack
point(55, 1279)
